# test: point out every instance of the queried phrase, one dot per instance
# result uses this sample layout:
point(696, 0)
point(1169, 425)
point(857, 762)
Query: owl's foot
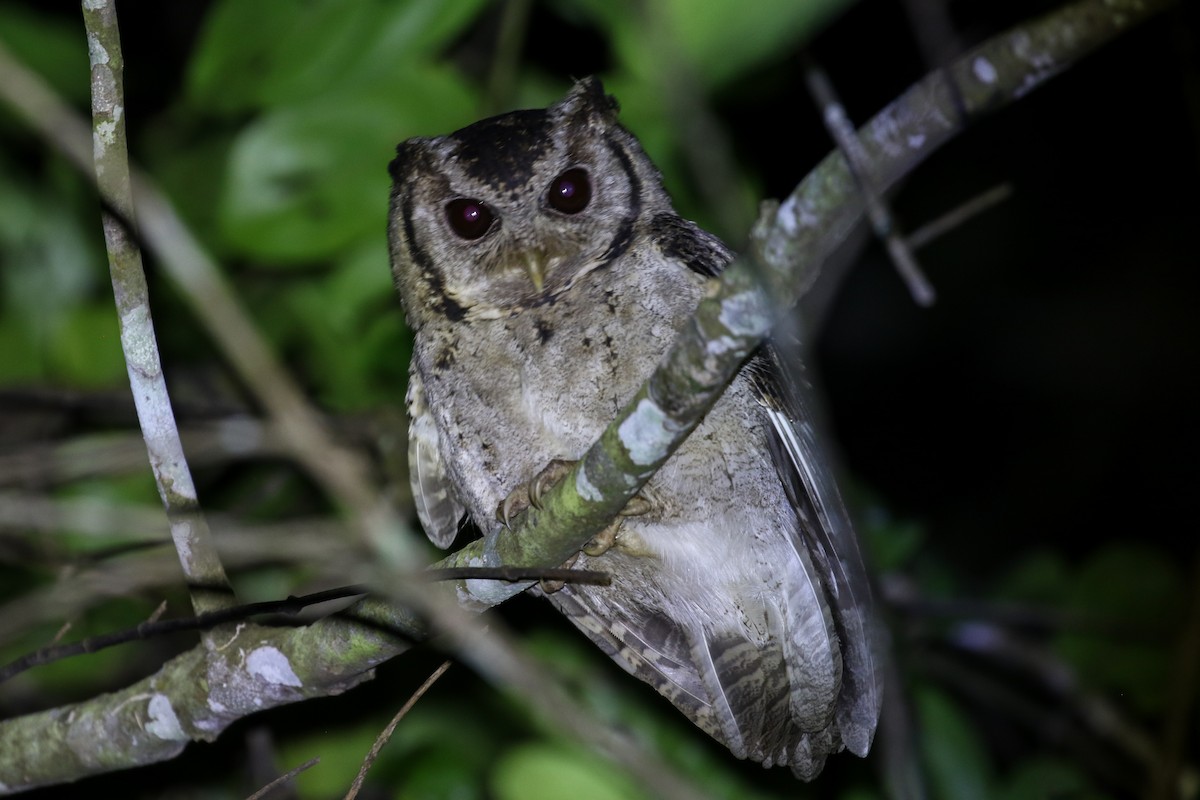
point(530, 493)
point(600, 544)
point(549, 586)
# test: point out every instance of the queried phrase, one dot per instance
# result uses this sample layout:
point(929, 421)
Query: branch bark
point(193, 697)
point(206, 579)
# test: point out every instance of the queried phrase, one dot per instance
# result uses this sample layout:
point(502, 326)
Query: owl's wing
point(437, 509)
point(738, 692)
point(829, 537)
point(742, 694)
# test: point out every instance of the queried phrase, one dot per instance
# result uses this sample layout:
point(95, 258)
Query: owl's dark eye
point(571, 191)
point(469, 218)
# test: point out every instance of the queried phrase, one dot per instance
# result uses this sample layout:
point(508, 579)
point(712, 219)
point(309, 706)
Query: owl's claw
point(600, 544)
point(549, 586)
point(530, 492)
point(547, 479)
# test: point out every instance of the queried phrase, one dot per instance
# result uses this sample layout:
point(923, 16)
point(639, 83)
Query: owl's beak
point(535, 266)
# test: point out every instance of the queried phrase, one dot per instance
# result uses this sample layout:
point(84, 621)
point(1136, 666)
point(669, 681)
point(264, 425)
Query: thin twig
point(155, 627)
point(386, 733)
point(206, 579)
point(588, 576)
point(878, 212)
point(958, 215)
point(284, 778)
point(290, 606)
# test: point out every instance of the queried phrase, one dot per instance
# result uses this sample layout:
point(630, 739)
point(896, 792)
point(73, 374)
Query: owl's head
point(511, 211)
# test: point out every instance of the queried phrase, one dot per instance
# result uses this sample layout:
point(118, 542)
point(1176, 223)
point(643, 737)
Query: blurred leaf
point(85, 351)
point(1133, 591)
point(722, 39)
point(341, 753)
point(441, 774)
point(955, 758)
point(352, 328)
point(1047, 779)
point(306, 180)
point(53, 46)
point(889, 544)
point(549, 772)
point(23, 361)
point(187, 163)
point(313, 46)
point(1038, 577)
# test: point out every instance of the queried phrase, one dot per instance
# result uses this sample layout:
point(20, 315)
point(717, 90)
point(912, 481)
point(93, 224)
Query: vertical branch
point(205, 576)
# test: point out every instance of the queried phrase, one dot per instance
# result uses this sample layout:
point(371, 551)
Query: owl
point(543, 272)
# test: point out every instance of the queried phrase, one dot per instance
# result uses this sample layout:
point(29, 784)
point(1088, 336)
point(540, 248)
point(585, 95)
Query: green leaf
point(548, 772)
point(352, 330)
point(440, 773)
point(313, 47)
point(305, 181)
point(53, 46)
point(1134, 593)
point(716, 40)
point(955, 757)
point(722, 39)
point(85, 351)
point(1048, 779)
point(1039, 577)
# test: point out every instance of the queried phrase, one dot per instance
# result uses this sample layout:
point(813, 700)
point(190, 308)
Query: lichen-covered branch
point(789, 244)
point(206, 579)
point(193, 697)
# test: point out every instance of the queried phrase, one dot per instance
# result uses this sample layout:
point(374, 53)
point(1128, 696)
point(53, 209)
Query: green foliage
point(954, 756)
point(548, 772)
point(1133, 594)
point(50, 47)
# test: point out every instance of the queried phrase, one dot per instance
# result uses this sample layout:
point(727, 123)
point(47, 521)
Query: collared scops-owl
point(543, 273)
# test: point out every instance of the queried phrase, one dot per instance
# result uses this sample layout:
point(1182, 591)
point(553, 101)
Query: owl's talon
point(530, 492)
point(636, 507)
point(602, 542)
point(510, 507)
point(546, 480)
point(549, 586)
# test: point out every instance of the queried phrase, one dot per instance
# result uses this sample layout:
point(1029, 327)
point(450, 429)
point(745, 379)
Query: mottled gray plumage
point(543, 272)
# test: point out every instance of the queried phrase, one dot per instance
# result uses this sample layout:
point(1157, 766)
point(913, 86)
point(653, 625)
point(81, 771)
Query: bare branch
point(284, 778)
point(205, 576)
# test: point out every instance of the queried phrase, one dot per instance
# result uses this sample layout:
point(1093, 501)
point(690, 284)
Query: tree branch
point(202, 568)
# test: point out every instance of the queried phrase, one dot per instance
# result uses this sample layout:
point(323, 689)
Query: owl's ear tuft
point(406, 155)
point(588, 95)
